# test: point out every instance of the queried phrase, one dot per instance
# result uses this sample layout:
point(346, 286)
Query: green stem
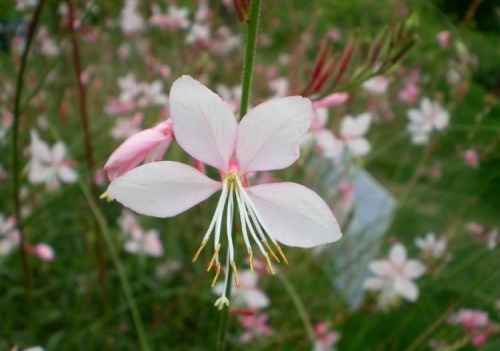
point(15, 148)
point(251, 43)
point(101, 221)
point(301, 309)
point(248, 66)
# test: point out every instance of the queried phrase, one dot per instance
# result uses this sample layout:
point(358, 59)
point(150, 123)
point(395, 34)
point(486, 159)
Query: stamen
point(270, 250)
point(229, 222)
point(269, 264)
point(235, 273)
point(204, 242)
point(250, 259)
point(217, 272)
point(280, 252)
point(106, 196)
point(216, 251)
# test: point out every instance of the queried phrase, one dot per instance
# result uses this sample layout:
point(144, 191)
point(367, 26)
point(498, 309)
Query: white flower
point(49, 165)
point(352, 132)
point(394, 277)
point(376, 85)
point(9, 236)
point(432, 245)
point(431, 116)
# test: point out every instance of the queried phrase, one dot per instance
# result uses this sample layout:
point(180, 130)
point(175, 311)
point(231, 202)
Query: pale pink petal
point(442, 119)
point(329, 146)
point(131, 246)
point(358, 146)
point(355, 127)
point(204, 125)
point(415, 116)
point(294, 214)
point(331, 100)
point(255, 299)
point(374, 283)
point(382, 268)
point(407, 289)
point(67, 174)
point(135, 149)
point(397, 254)
point(38, 148)
point(268, 136)
point(427, 107)
point(413, 269)
point(58, 152)
point(162, 189)
point(247, 279)
point(38, 172)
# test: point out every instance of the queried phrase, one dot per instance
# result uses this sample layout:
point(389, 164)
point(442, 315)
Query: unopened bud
point(242, 8)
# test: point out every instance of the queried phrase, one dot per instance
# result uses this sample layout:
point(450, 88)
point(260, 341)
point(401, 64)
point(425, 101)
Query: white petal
point(67, 174)
point(330, 146)
point(413, 269)
point(358, 146)
point(203, 124)
point(407, 289)
point(268, 136)
point(38, 172)
point(294, 214)
point(162, 189)
point(58, 152)
point(382, 268)
point(374, 284)
point(38, 148)
point(397, 255)
point(255, 298)
point(354, 127)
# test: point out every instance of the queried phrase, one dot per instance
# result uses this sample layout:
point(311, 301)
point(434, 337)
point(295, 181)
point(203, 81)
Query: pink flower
point(266, 139)
point(352, 134)
point(255, 326)
point(325, 339)
point(147, 145)
point(144, 242)
point(394, 277)
point(475, 228)
point(432, 245)
point(9, 235)
point(126, 127)
point(377, 85)
point(44, 252)
point(471, 158)
point(119, 107)
point(444, 38)
point(431, 116)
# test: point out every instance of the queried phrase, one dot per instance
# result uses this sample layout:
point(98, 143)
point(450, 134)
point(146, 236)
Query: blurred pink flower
point(127, 127)
point(325, 339)
point(43, 252)
point(9, 235)
point(376, 85)
point(475, 228)
point(266, 139)
point(445, 39)
point(394, 277)
point(255, 326)
point(471, 158)
point(431, 116)
point(352, 134)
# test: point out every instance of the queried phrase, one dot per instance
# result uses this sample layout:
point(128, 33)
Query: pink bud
point(44, 252)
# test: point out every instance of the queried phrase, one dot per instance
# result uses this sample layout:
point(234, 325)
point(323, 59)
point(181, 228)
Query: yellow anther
point(214, 256)
point(250, 259)
point(199, 250)
point(269, 264)
point(235, 273)
point(217, 272)
point(106, 196)
point(270, 250)
point(280, 252)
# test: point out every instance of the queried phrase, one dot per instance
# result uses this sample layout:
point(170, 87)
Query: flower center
point(252, 226)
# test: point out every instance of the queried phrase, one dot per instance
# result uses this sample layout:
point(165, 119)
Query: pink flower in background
point(322, 137)
point(127, 127)
point(475, 228)
point(176, 18)
point(471, 158)
point(9, 235)
point(144, 243)
point(266, 139)
point(49, 165)
point(255, 326)
point(325, 339)
point(145, 146)
point(475, 323)
point(394, 277)
point(409, 93)
point(435, 171)
point(377, 85)
point(445, 39)
point(131, 20)
point(231, 96)
point(119, 107)
point(247, 295)
point(152, 94)
point(198, 34)
point(43, 252)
